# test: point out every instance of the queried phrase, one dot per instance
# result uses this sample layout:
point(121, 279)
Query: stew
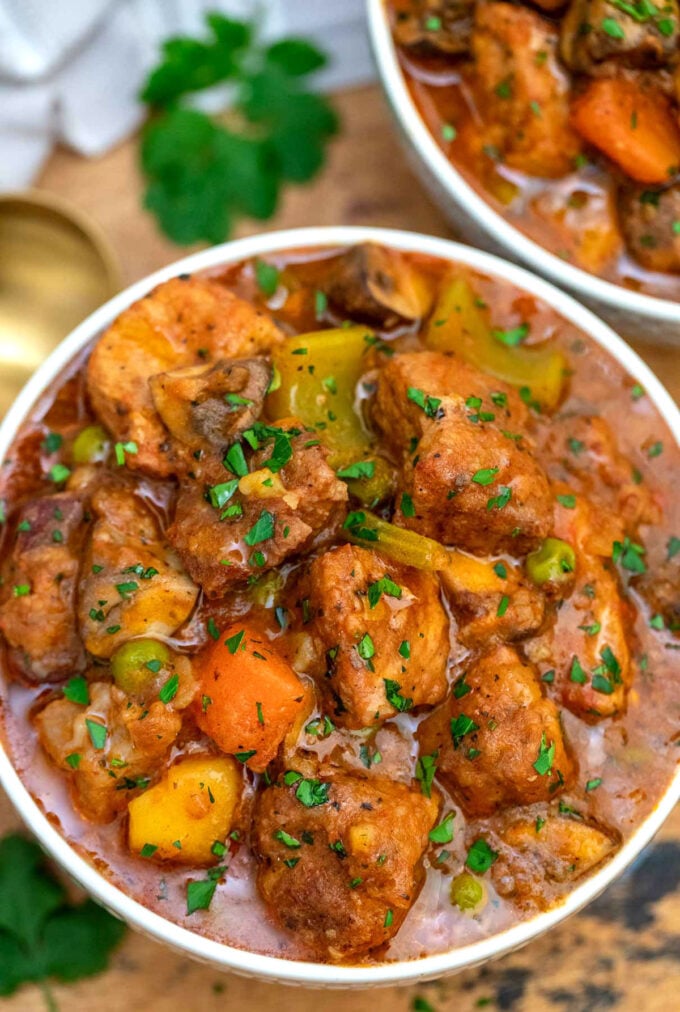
point(565, 116)
point(339, 606)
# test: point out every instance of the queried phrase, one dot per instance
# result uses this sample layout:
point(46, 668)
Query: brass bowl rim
point(33, 197)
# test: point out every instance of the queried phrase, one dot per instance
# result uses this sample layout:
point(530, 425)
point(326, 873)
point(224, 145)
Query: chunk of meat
point(474, 487)
point(648, 220)
point(380, 632)
point(359, 851)
point(205, 407)
point(522, 91)
point(431, 27)
point(185, 321)
point(554, 850)
point(596, 36)
point(38, 596)
point(586, 447)
point(587, 648)
point(103, 767)
point(660, 586)
point(402, 421)
point(381, 286)
point(491, 602)
point(133, 583)
point(498, 738)
point(270, 514)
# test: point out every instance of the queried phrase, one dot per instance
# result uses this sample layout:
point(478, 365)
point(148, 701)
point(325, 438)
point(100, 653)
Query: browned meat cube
point(491, 602)
point(586, 448)
point(472, 486)
point(182, 322)
point(554, 849)
point(205, 407)
point(339, 852)
point(38, 598)
point(378, 285)
point(429, 27)
point(661, 588)
point(132, 583)
point(598, 36)
point(648, 219)
point(401, 420)
point(499, 740)
point(105, 765)
point(585, 654)
point(521, 90)
point(381, 635)
point(238, 528)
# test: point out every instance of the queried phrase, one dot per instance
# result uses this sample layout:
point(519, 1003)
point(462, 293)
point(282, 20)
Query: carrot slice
point(634, 128)
point(250, 696)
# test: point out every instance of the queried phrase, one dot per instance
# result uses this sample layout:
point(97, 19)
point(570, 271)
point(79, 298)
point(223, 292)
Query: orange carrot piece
point(635, 128)
point(250, 696)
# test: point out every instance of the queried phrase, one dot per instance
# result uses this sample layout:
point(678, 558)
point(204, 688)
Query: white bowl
point(225, 956)
point(637, 316)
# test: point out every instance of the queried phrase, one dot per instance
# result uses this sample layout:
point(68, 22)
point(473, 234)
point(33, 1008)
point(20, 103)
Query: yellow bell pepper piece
point(459, 325)
point(318, 375)
point(187, 812)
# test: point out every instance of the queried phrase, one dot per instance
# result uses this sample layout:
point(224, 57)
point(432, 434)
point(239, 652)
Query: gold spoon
point(56, 267)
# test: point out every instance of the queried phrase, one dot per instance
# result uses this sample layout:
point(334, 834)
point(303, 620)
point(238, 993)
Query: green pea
point(467, 892)
point(91, 445)
point(553, 562)
point(135, 665)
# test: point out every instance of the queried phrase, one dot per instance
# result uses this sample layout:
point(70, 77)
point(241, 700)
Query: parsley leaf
point(41, 934)
point(202, 175)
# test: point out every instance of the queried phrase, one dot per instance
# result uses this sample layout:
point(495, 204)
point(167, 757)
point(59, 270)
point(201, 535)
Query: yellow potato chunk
point(184, 814)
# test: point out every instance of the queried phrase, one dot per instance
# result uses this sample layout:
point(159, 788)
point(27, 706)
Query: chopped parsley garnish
point(169, 689)
point(267, 277)
point(502, 606)
point(361, 469)
point(480, 856)
point(262, 529)
point(592, 785)
point(235, 460)
point(512, 337)
point(576, 673)
point(77, 691)
point(443, 833)
point(383, 586)
point(201, 892)
point(394, 697)
point(219, 495)
point(630, 555)
point(121, 449)
point(426, 767)
point(59, 473)
point(234, 642)
point(429, 405)
point(460, 726)
point(405, 650)
point(500, 570)
point(407, 507)
point(286, 839)
point(485, 476)
point(311, 792)
point(568, 501)
point(97, 732)
point(501, 500)
point(546, 757)
point(366, 647)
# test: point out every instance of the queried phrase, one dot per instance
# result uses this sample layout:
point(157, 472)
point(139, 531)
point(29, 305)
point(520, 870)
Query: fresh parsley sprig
point(204, 172)
point(42, 935)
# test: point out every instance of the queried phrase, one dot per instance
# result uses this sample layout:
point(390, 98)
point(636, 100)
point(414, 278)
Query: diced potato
point(191, 808)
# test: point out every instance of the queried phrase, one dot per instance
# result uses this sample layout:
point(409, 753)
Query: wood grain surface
point(623, 953)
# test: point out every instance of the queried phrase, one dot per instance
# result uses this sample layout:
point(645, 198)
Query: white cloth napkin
point(70, 70)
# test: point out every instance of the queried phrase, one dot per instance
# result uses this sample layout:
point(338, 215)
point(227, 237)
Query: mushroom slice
point(211, 403)
point(378, 285)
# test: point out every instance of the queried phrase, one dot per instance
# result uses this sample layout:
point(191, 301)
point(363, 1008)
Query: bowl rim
point(224, 956)
point(500, 229)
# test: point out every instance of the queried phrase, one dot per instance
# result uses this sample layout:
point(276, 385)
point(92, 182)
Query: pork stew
point(339, 604)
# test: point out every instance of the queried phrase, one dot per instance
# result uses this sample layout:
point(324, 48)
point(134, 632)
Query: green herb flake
point(546, 757)
point(480, 856)
point(443, 833)
point(485, 476)
point(382, 586)
point(394, 697)
point(77, 690)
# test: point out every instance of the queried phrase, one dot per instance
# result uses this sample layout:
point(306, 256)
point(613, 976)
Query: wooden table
point(624, 952)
